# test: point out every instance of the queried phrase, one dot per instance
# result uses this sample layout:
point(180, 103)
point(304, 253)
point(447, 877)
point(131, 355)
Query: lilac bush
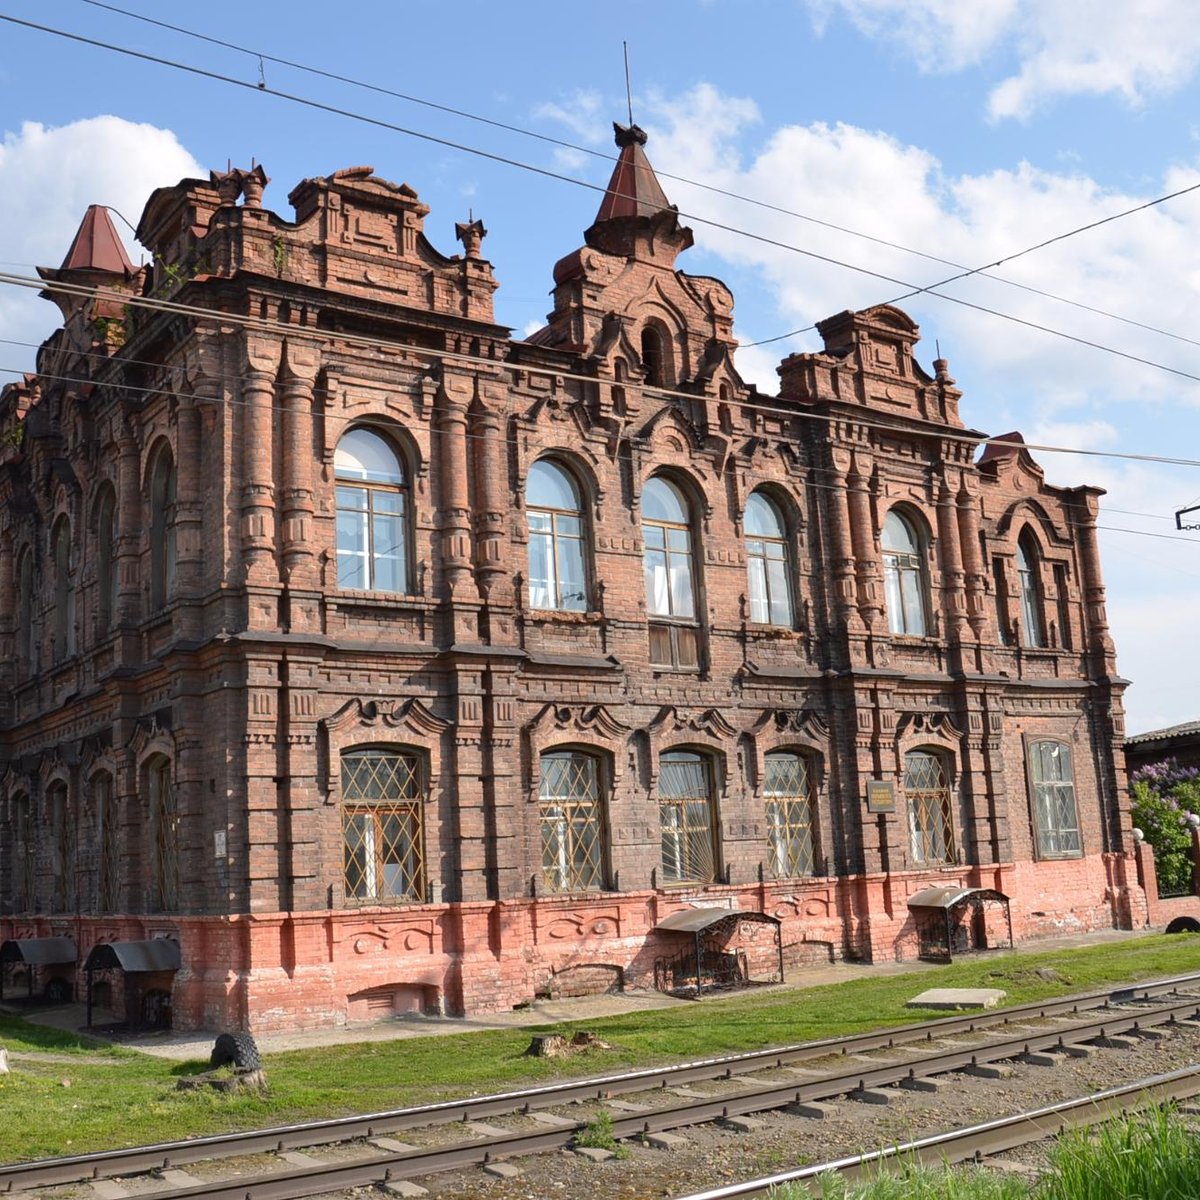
point(1164, 794)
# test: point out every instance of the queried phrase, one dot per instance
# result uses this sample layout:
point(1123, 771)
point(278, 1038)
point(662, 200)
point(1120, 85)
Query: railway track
point(1077, 1019)
point(978, 1142)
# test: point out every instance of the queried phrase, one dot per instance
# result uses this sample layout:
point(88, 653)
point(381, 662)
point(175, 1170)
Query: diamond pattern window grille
point(931, 821)
point(1055, 816)
point(64, 848)
point(789, 804)
point(572, 823)
point(382, 828)
point(686, 817)
point(22, 856)
point(106, 844)
point(164, 820)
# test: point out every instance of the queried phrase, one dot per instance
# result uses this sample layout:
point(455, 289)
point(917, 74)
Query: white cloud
point(48, 177)
point(1063, 47)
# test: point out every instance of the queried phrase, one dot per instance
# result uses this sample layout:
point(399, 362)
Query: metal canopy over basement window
point(40, 952)
point(960, 920)
point(148, 968)
point(727, 951)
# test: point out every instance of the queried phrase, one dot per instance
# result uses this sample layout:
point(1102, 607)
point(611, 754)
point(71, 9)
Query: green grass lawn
point(117, 1097)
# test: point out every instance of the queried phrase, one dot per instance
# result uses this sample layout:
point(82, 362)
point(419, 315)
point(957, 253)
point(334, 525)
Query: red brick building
point(382, 660)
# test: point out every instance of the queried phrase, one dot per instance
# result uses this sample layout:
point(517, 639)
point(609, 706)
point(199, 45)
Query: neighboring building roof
point(1171, 731)
point(633, 190)
point(38, 952)
point(158, 954)
point(96, 246)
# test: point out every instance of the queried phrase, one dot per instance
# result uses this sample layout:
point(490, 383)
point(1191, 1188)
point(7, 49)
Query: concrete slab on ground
point(956, 998)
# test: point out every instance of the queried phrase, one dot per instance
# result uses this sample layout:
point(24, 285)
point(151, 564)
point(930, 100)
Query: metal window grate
point(931, 820)
point(64, 849)
point(106, 844)
point(789, 816)
point(164, 820)
point(686, 819)
point(572, 843)
point(382, 833)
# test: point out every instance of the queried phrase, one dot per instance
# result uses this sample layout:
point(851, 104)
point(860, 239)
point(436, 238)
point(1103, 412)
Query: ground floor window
point(1055, 816)
point(382, 833)
point(788, 794)
point(930, 816)
point(571, 822)
point(685, 806)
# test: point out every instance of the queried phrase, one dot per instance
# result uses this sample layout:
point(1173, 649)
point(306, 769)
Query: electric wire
point(728, 194)
point(561, 177)
point(261, 324)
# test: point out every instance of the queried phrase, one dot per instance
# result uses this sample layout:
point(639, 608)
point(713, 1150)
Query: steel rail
point(315, 1179)
point(989, 1138)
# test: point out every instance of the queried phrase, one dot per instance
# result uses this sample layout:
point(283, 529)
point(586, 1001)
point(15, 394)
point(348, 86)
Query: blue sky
point(964, 131)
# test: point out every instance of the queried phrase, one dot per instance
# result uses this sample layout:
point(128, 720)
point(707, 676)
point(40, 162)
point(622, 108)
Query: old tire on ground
point(1184, 925)
point(236, 1049)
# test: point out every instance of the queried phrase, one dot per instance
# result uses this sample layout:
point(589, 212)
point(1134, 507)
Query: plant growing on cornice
point(279, 254)
point(13, 437)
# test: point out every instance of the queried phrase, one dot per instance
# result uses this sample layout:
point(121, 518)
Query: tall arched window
point(372, 514)
point(686, 818)
point(654, 356)
point(107, 862)
point(26, 637)
point(557, 578)
point(787, 790)
point(670, 576)
point(164, 829)
point(383, 796)
point(64, 590)
point(162, 527)
point(106, 574)
point(930, 816)
point(1033, 630)
point(904, 576)
point(23, 854)
point(572, 822)
point(62, 826)
point(767, 563)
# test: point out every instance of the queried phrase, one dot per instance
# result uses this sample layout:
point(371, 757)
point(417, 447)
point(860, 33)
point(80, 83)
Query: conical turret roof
point(633, 190)
point(96, 246)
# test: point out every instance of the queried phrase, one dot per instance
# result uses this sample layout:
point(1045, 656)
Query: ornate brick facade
point(385, 661)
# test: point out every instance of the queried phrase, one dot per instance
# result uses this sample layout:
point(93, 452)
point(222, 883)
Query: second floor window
point(767, 563)
point(556, 558)
point(1033, 631)
point(903, 577)
point(670, 576)
point(372, 514)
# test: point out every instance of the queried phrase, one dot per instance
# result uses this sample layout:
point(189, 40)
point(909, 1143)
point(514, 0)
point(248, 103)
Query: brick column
point(454, 511)
point(299, 375)
point(972, 557)
point(862, 531)
point(840, 546)
point(258, 478)
point(953, 578)
point(130, 523)
point(1093, 579)
point(189, 473)
point(491, 474)
point(8, 618)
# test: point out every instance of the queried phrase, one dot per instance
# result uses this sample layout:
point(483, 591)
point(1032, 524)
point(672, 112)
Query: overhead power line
point(965, 271)
point(915, 289)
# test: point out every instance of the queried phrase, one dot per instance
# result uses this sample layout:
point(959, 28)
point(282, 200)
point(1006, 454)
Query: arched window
point(1033, 630)
point(107, 862)
point(26, 637)
point(62, 826)
point(372, 514)
point(383, 838)
point(787, 790)
point(1055, 816)
point(557, 578)
point(164, 829)
point(572, 822)
point(23, 854)
point(903, 576)
point(670, 576)
point(162, 528)
point(64, 590)
point(686, 818)
point(654, 356)
point(106, 574)
point(767, 563)
point(930, 816)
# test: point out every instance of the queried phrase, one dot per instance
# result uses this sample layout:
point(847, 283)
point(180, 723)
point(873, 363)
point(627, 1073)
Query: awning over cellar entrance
point(715, 958)
point(149, 968)
point(960, 920)
point(158, 954)
point(36, 952)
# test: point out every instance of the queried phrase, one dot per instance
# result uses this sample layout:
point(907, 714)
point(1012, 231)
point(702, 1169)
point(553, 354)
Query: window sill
point(562, 616)
point(369, 599)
